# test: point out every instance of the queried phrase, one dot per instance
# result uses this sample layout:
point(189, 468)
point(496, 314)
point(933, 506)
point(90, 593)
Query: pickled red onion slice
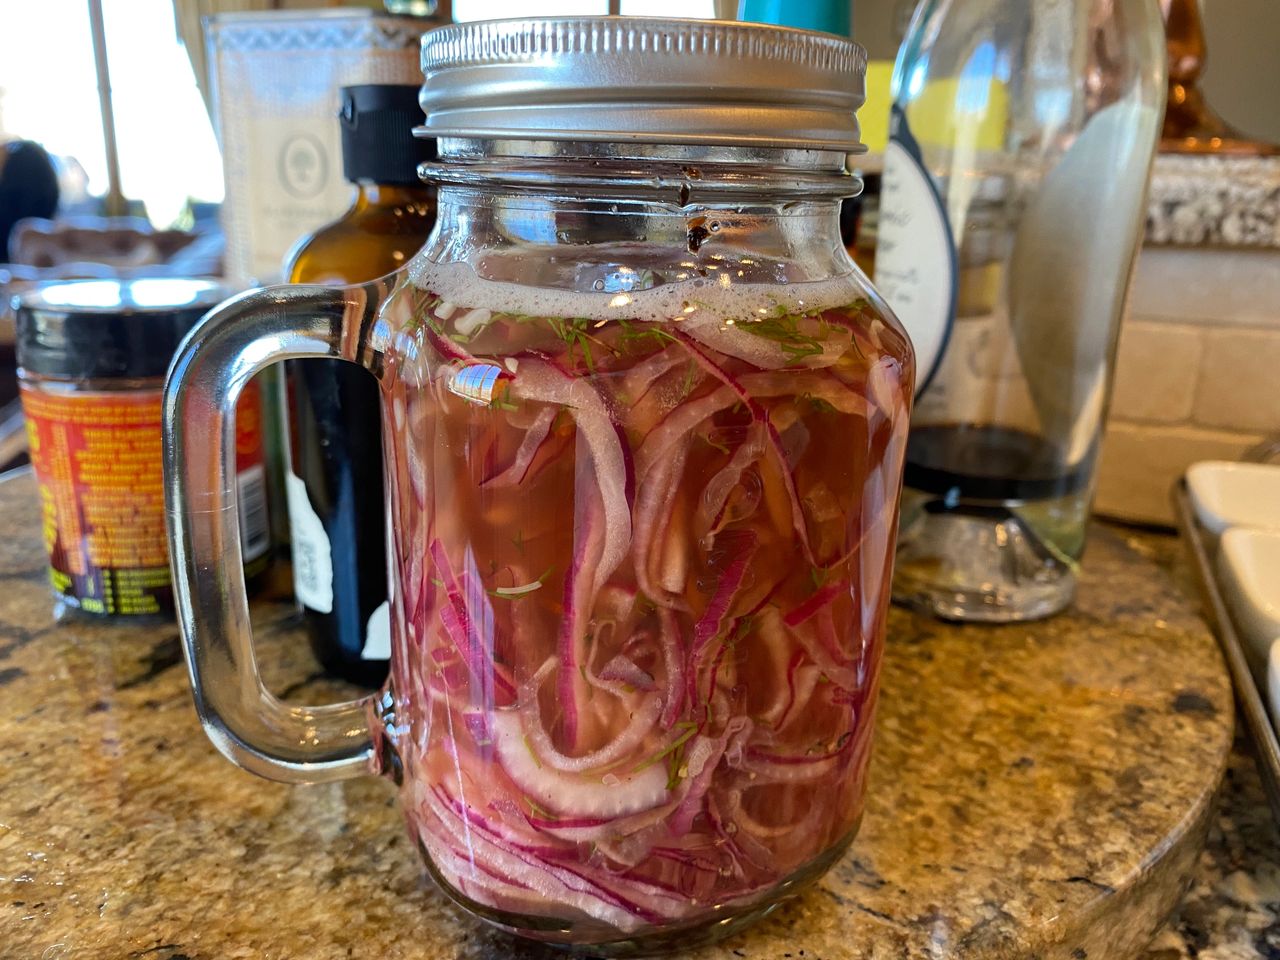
point(677, 716)
point(538, 380)
point(568, 793)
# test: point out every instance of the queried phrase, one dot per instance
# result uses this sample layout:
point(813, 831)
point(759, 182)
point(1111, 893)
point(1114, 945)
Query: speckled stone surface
point(1232, 911)
point(1038, 791)
point(1215, 201)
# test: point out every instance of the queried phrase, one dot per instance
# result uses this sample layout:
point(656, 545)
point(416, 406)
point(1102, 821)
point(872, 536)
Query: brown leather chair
point(102, 248)
point(122, 243)
point(88, 248)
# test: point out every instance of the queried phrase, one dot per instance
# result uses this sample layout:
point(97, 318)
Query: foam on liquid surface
point(717, 295)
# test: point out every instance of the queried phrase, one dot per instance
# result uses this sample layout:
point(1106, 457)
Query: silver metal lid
point(643, 80)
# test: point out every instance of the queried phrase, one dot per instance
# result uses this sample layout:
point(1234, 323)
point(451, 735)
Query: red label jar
point(92, 357)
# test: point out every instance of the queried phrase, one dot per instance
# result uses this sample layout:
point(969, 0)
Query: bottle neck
point(370, 194)
point(578, 243)
point(566, 215)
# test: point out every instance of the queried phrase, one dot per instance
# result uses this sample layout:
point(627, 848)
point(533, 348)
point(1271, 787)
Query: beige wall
point(1242, 79)
point(873, 27)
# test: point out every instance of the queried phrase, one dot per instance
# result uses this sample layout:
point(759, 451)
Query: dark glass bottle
point(336, 502)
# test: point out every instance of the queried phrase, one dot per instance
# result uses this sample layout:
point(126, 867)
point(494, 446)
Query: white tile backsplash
point(1197, 375)
point(1237, 287)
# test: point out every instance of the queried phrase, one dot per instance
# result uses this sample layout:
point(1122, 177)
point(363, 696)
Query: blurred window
point(49, 93)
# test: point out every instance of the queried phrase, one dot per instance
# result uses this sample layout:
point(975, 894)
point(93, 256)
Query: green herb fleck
point(641, 335)
point(676, 770)
point(670, 750)
point(576, 333)
point(528, 746)
point(690, 380)
point(784, 329)
point(819, 404)
point(713, 443)
point(539, 811)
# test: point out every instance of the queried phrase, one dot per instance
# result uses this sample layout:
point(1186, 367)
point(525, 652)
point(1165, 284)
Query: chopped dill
point(690, 379)
point(675, 771)
point(421, 312)
point(671, 749)
point(539, 811)
point(819, 404)
point(714, 444)
point(785, 331)
point(528, 746)
point(640, 335)
point(575, 333)
point(741, 629)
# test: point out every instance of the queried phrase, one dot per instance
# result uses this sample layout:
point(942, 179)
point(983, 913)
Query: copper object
point(1190, 124)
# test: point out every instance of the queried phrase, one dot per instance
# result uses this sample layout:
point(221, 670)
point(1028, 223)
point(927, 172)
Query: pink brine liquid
point(642, 547)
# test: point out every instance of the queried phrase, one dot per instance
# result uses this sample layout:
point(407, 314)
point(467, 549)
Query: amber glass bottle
point(336, 513)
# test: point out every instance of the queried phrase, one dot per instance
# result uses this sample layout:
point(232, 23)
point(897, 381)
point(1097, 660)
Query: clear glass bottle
point(336, 517)
point(644, 423)
point(1012, 209)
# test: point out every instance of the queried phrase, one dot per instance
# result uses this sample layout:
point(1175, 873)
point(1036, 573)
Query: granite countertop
point(1037, 791)
point(1201, 201)
point(1214, 201)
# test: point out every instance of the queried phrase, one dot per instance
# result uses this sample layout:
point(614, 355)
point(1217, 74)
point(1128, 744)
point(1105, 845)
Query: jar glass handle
point(233, 342)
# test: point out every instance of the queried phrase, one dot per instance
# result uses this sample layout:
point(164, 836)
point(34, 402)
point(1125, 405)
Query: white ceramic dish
point(1249, 569)
point(1251, 692)
point(1227, 494)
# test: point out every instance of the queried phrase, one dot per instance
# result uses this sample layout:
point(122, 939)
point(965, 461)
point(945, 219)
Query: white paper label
point(255, 526)
point(293, 184)
point(377, 634)
point(915, 256)
point(312, 554)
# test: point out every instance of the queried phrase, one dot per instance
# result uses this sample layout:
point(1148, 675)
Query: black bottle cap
point(378, 144)
point(101, 329)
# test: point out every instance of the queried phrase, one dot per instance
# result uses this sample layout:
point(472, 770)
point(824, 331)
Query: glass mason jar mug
point(644, 431)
